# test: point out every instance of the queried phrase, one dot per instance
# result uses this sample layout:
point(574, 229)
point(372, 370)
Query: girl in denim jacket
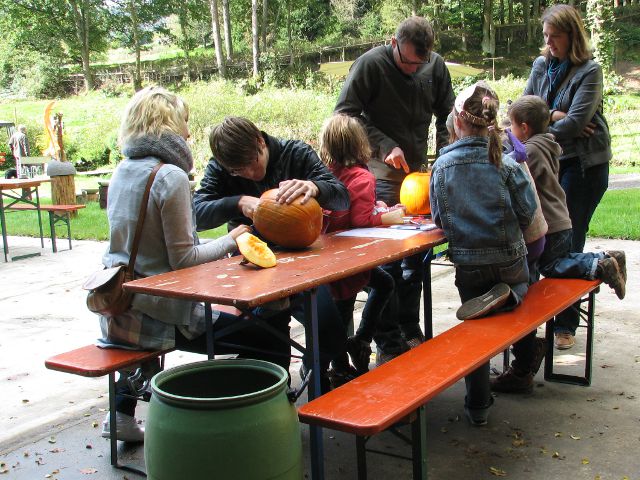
point(483, 200)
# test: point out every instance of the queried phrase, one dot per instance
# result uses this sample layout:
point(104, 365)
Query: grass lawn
point(615, 217)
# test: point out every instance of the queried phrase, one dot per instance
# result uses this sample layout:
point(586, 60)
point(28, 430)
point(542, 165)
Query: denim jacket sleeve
point(523, 197)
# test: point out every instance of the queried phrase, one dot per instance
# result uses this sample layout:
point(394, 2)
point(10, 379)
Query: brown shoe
point(609, 272)
point(511, 382)
point(564, 341)
point(621, 258)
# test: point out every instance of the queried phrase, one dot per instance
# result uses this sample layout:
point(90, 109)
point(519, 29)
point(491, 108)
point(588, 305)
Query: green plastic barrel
point(222, 419)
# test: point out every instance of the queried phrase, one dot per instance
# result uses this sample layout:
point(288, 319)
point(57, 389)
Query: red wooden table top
point(330, 258)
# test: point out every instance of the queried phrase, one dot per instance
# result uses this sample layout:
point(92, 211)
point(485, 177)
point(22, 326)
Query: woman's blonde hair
point(567, 19)
point(343, 140)
point(154, 111)
point(479, 110)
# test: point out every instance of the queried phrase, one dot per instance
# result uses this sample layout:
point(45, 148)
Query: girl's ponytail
point(490, 107)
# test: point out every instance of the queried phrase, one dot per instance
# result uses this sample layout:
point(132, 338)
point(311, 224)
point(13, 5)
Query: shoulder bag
point(106, 295)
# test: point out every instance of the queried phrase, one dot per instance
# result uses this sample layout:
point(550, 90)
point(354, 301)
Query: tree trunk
point(182, 20)
point(510, 12)
point(137, 76)
point(501, 12)
point(215, 29)
point(535, 20)
point(488, 36)
point(414, 7)
point(254, 36)
point(603, 37)
point(289, 37)
point(226, 18)
point(82, 23)
point(526, 13)
point(265, 15)
point(463, 25)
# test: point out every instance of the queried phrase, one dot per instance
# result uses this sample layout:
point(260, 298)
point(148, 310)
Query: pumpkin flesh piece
point(255, 250)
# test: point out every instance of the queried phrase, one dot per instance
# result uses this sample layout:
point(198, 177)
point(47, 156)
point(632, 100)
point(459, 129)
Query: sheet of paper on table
point(393, 234)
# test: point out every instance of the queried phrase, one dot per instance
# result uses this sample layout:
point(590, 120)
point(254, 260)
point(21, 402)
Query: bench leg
point(427, 294)
point(113, 427)
point(589, 317)
point(419, 445)
point(361, 455)
point(52, 227)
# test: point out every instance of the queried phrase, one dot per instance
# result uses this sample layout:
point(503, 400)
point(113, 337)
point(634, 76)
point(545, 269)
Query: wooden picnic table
point(28, 188)
point(332, 257)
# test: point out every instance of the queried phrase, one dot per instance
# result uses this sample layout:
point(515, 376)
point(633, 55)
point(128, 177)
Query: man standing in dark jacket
point(395, 90)
point(247, 162)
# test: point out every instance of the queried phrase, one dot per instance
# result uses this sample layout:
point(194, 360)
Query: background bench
point(32, 166)
point(93, 361)
point(390, 393)
point(57, 214)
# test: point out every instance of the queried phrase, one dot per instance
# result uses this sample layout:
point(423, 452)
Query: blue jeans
point(557, 261)
point(407, 275)
point(584, 190)
point(475, 280)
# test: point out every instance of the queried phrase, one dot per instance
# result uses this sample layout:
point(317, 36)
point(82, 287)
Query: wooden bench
point(400, 388)
point(57, 214)
point(93, 361)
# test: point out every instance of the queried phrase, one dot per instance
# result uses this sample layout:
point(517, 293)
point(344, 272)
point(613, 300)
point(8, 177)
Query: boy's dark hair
point(533, 111)
point(234, 142)
point(417, 31)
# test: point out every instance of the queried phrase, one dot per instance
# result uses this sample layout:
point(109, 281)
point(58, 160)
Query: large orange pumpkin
point(414, 193)
point(291, 226)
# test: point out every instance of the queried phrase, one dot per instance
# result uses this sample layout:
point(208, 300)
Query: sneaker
point(382, 357)
point(360, 352)
point(484, 304)
point(128, 428)
point(609, 272)
point(540, 351)
point(511, 382)
point(414, 342)
point(338, 377)
point(477, 416)
point(621, 258)
point(564, 341)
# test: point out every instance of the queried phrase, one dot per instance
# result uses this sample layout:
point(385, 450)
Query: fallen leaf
point(558, 434)
point(56, 450)
point(591, 399)
point(39, 461)
point(585, 461)
point(88, 471)
point(4, 470)
point(444, 430)
point(597, 477)
point(87, 414)
point(25, 400)
point(94, 424)
point(555, 455)
point(497, 472)
point(631, 397)
point(575, 437)
point(88, 447)
point(25, 454)
point(518, 443)
point(48, 475)
point(52, 439)
point(604, 365)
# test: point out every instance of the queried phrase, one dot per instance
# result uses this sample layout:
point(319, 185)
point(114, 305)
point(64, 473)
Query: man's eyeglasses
point(406, 62)
point(237, 172)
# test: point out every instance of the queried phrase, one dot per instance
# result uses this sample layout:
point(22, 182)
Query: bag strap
point(141, 215)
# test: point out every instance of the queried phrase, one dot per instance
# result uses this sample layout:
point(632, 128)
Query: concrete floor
point(50, 422)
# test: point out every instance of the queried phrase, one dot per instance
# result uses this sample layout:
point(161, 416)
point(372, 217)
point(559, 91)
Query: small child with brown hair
point(345, 149)
point(529, 122)
point(483, 200)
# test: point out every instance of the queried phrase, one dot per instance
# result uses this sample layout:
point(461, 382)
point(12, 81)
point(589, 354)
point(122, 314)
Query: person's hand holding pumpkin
point(393, 217)
point(289, 190)
point(247, 205)
point(239, 230)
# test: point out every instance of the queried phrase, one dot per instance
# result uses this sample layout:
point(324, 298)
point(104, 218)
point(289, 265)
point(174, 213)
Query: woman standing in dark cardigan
point(570, 81)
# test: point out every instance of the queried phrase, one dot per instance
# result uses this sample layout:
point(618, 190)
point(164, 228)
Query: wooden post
point(63, 186)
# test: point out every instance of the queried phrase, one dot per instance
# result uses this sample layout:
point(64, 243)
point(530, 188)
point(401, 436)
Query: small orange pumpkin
point(293, 225)
point(414, 193)
point(255, 250)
